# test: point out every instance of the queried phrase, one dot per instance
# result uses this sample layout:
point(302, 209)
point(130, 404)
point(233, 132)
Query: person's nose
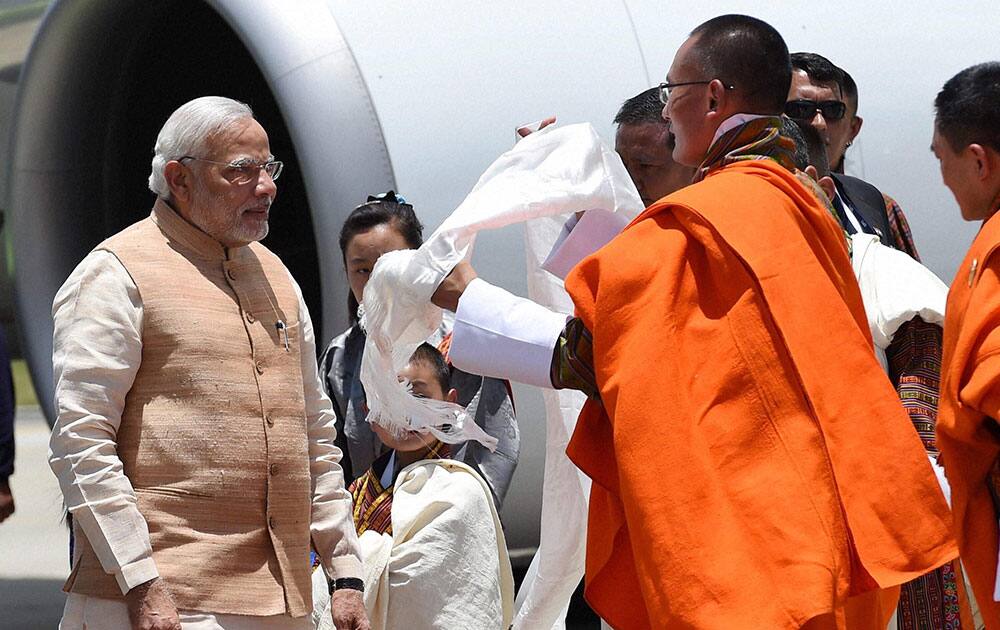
point(265, 185)
point(665, 113)
point(818, 122)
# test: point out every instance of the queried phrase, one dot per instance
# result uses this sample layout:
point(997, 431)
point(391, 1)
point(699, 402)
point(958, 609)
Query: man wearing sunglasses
point(194, 445)
point(816, 98)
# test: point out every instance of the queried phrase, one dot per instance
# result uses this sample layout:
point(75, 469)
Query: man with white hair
point(194, 445)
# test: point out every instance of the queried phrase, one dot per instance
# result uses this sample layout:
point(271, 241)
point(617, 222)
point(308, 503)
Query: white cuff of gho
point(996, 582)
point(501, 335)
point(580, 239)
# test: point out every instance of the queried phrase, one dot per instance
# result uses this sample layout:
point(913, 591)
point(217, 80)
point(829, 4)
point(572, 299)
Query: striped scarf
point(757, 139)
point(372, 502)
point(761, 139)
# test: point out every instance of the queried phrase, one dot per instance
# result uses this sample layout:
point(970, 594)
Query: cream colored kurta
point(98, 316)
point(446, 563)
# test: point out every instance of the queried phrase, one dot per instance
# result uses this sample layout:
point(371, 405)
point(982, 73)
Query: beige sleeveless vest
point(213, 433)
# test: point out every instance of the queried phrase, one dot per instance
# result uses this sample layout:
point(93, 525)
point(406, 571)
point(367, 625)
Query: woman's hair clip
point(390, 196)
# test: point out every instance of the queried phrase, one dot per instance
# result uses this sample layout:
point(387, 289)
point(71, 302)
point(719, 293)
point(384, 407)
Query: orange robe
point(752, 466)
point(969, 408)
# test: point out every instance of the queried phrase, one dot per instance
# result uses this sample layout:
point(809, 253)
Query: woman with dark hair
point(383, 224)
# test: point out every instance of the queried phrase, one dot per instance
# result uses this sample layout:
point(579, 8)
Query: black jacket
point(869, 203)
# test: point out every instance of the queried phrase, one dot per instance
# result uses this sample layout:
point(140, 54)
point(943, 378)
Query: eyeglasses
point(245, 170)
point(666, 87)
point(802, 109)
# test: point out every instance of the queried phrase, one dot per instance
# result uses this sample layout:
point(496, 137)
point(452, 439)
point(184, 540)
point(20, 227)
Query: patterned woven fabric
point(936, 600)
point(445, 348)
point(757, 139)
point(574, 357)
point(372, 502)
point(902, 238)
point(915, 370)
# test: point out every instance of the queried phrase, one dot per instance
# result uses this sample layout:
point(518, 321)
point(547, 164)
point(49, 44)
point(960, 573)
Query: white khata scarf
point(557, 171)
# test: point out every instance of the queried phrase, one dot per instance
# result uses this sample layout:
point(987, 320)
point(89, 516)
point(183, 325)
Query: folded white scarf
point(557, 171)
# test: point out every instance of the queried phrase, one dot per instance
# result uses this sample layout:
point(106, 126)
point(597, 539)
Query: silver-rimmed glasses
point(666, 87)
point(245, 170)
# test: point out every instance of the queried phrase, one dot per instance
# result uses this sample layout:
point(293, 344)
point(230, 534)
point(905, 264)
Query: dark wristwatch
point(353, 584)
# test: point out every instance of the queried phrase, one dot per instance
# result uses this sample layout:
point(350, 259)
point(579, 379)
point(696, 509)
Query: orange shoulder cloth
point(969, 407)
point(752, 465)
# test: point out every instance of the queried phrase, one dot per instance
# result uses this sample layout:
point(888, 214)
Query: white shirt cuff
point(996, 582)
point(501, 335)
point(136, 573)
point(582, 238)
point(941, 478)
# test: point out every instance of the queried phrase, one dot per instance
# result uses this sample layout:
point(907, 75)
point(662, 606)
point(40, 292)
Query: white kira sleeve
point(333, 534)
point(96, 351)
point(502, 335)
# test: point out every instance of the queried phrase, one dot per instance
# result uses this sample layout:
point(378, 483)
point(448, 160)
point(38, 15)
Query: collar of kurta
point(749, 137)
point(184, 233)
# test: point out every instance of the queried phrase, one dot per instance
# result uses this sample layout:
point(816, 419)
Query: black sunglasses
point(802, 109)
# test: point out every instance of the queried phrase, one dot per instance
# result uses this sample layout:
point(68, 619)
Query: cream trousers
point(95, 613)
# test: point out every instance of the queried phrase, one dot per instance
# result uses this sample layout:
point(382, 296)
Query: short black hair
point(968, 107)
point(791, 129)
point(428, 355)
point(819, 68)
point(382, 209)
point(849, 89)
point(749, 54)
point(810, 150)
point(644, 107)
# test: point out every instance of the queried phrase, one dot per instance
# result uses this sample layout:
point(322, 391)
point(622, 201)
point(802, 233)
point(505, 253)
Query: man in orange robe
point(751, 464)
point(967, 143)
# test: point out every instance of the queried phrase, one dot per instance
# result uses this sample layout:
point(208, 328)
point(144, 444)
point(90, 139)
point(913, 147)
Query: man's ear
point(716, 95)
point(856, 123)
point(180, 181)
point(828, 186)
point(825, 183)
point(986, 160)
point(452, 395)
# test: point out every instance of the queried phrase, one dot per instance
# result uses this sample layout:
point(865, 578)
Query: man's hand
point(348, 607)
point(150, 607)
point(526, 130)
point(6, 501)
point(451, 288)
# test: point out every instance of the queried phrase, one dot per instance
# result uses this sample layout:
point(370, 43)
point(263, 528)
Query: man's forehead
point(684, 59)
point(642, 134)
point(802, 82)
point(246, 138)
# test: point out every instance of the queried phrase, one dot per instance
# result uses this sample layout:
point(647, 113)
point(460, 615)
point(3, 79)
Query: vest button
point(269, 420)
point(230, 274)
point(271, 522)
point(259, 366)
point(274, 469)
point(250, 317)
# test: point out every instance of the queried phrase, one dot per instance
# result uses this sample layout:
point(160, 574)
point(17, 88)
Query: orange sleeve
point(981, 382)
